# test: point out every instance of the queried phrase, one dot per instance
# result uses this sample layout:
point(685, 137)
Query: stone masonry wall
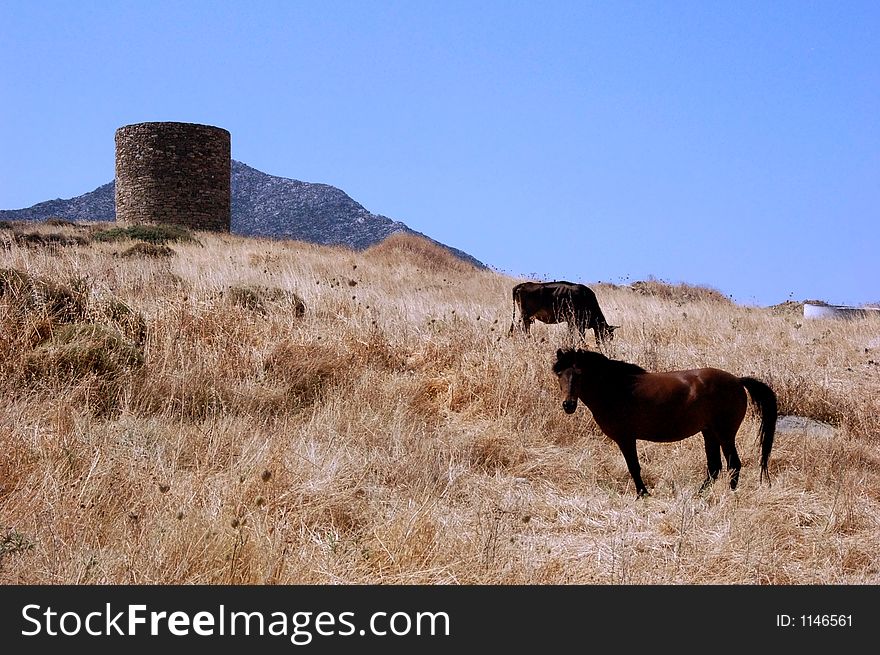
point(174, 173)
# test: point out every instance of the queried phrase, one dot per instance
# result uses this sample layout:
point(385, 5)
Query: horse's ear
point(559, 353)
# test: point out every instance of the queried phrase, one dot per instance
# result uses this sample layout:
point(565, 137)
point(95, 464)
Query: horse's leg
point(589, 323)
point(628, 448)
point(584, 325)
point(728, 445)
point(575, 328)
point(713, 459)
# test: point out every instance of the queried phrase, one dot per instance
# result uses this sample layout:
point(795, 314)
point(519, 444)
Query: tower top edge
point(160, 125)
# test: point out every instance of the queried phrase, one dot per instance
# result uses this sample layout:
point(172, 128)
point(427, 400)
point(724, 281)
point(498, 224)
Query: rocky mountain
point(97, 205)
point(263, 206)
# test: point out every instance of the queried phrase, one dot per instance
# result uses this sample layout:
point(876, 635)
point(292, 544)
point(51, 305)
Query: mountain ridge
point(262, 205)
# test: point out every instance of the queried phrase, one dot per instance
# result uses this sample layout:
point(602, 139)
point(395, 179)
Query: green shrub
point(30, 294)
point(126, 320)
point(247, 297)
point(145, 249)
point(74, 351)
point(49, 239)
point(13, 542)
point(255, 298)
point(159, 233)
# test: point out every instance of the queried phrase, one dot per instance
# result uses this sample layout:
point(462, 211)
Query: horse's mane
point(591, 359)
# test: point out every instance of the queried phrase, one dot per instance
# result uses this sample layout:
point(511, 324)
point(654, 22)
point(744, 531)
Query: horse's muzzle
point(569, 406)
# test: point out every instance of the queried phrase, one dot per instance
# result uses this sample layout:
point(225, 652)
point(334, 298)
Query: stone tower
point(177, 173)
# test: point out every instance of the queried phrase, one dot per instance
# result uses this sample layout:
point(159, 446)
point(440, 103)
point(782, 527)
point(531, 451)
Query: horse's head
point(568, 372)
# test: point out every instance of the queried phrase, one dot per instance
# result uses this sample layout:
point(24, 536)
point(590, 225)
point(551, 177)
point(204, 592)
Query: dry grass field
point(216, 409)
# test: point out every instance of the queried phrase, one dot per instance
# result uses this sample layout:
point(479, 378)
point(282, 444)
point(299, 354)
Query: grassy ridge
point(289, 413)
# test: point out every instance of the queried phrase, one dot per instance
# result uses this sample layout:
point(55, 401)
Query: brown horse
point(628, 403)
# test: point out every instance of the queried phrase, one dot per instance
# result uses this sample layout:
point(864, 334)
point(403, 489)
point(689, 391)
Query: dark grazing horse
point(557, 302)
point(628, 403)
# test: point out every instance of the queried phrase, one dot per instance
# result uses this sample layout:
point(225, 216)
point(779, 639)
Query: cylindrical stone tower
point(174, 173)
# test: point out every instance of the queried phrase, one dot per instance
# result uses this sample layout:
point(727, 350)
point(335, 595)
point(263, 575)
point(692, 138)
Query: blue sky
point(730, 144)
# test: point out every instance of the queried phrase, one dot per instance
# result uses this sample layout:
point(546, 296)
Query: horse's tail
point(765, 398)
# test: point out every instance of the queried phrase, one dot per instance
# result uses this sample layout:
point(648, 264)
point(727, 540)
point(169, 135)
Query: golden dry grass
point(393, 433)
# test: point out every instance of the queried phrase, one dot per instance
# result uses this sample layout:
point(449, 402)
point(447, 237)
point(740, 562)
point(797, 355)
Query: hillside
point(219, 409)
point(262, 205)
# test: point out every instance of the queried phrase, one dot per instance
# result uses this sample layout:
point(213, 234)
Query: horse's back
point(720, 395)
point(713, 385)
point(677, 404)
